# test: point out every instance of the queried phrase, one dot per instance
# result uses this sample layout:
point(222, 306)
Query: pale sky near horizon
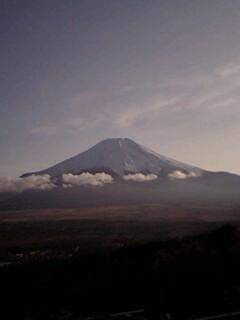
point(163, 73)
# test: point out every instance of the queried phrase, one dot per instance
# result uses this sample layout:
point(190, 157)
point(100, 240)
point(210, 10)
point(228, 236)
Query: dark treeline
point(184, 278)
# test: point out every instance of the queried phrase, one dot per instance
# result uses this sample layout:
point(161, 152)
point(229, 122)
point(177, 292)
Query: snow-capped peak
point(120, 155)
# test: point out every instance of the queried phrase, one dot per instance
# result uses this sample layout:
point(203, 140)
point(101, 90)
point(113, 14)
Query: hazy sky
point(164, 73)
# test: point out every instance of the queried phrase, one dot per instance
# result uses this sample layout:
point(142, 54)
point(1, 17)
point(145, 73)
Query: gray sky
point(164, 73)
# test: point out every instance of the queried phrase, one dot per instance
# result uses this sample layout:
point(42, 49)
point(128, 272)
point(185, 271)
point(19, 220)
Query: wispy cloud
point(132, 115)
point(132, 106)
point(230, 70)
point(221, 94)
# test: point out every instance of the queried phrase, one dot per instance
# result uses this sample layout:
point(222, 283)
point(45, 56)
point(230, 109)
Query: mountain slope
point(120, 156)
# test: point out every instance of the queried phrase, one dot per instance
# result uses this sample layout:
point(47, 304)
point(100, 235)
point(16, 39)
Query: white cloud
point(66, 185)
point(86, 178)
point(177, 174)
point(41, 182)
point(140, 177)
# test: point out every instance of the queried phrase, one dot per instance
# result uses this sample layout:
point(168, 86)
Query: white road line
point(219, 316)
point(126, 313)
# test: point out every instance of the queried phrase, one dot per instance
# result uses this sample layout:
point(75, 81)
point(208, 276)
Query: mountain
point(174, 184)
point(118, 156)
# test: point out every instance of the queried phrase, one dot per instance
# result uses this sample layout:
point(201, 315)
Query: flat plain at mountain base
point(91, 228)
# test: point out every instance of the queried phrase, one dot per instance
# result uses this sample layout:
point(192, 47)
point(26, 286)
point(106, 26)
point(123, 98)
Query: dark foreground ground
point(119, 263)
